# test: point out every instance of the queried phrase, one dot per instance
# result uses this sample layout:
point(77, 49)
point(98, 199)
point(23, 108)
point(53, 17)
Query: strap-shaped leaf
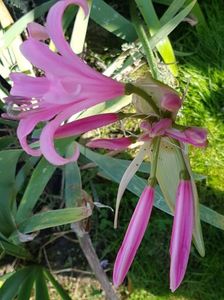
point(27, 286)
point(8, 162)
point(164, 47)
point(53, 218)
point(57, 286)
point(14, 250)
point(108, 18)
point(73, 182)
point(11, 286)
point(38, 181)
point(41, 286)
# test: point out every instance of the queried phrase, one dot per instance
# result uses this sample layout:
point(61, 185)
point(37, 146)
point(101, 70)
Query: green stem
point(155, 155)
point(184, 174)
point(143, 36)
point(133, 89)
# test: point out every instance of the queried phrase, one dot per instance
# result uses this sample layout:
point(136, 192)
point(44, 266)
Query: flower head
point(68, 86)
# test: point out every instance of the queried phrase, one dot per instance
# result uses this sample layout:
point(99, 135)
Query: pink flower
point(181, 234)
point(133, 236)
point(68, 87)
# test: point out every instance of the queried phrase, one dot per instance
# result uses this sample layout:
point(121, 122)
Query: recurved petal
point(181, 233)
point(133, 236)
point(26, 126)
point(37, 31)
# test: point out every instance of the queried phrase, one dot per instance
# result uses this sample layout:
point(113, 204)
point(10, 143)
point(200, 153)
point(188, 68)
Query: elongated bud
point(133, 236)
point(181, 234)
point(197, 134)
point(171, 102)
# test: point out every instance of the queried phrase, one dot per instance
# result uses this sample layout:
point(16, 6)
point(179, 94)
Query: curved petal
point(27, 125)
point(37, 31)
point(111, 144)
point(43, 58)
point(47, 140)
point(55, 31)
point(128, 174)
point(133, 236)
point(86, 124)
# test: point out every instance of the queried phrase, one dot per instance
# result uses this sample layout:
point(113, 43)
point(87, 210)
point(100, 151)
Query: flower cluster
point(69, 86)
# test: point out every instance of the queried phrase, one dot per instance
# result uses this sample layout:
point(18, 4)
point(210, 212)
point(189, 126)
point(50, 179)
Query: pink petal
point(43, 58)
point(197, 136)
point(133, 236)
point(47, 135)
point(55, 30)
point(158, 128)
point(28, 86)
point(27, 125)
point(193, 135)
point(37, 31)
point(181, 234)
point(111, 144)
point(171, 102)
point(85, 124)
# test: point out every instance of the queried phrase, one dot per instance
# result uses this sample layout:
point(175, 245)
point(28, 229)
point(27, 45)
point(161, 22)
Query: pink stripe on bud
point(181, 234)
point(111, 144)
point(86, 124)
point(133, 236)
point(171, 102)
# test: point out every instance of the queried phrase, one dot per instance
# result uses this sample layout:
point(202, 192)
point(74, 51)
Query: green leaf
point(7, 141)
point(164, 47)
point(38, 181)
point(114, 170)
point(26, 288)
point(171, 11)
point(104, 15)
point(8, 161)
point(166, 29)
point(25, 171)
point(57, 286)
point(73, 182)
point(53, 218)
point(41, 286)
point(14, 250)
point(11, 286)
point(18, 27)
point(79, 30)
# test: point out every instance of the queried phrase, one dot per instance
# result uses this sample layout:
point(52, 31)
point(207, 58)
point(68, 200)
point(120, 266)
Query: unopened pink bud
point(180, 245)
point(171, 102)
point(134, 235)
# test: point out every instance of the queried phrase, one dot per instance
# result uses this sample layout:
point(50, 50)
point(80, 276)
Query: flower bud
point(171, 102)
